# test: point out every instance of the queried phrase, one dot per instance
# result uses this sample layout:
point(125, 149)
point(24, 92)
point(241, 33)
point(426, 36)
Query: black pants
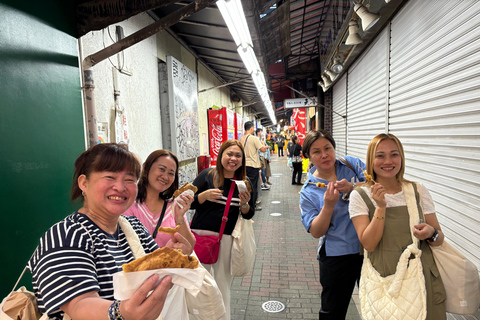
point(252, 174)
point(280, 151)
point(338, 276)
point(297, 171)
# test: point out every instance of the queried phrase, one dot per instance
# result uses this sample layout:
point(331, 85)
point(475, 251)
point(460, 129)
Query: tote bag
point(460, 278)
point(243, 248)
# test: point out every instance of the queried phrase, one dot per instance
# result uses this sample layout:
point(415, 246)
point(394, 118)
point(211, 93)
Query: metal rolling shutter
point(367, 96)
point(435, 109)
point(339, 127)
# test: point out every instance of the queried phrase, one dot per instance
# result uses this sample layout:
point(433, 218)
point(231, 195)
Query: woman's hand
point(423, 231)
point(331, 196)
point(178, 241)
point(244, 197)
point(344, 186)
point(377, 191)
point(181, 206)
point(211, 195)
point(139, 307)
point(143, 306)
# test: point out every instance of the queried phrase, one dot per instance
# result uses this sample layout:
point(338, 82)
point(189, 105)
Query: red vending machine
point(221, 127)
point(238, 126)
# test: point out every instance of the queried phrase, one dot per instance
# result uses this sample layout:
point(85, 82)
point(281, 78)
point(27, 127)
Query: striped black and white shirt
point(75, 256)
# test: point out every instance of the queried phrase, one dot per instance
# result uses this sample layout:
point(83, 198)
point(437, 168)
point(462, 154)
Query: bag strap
point(159, 223)
point(246, 141)
point(227, 208)
point(132, 238)
point(349, 166)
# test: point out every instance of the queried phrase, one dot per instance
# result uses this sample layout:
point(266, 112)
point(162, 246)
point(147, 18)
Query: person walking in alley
point(252, 146)
point(280, 145)
point(295, 152)
point(324, 212)
point(265, 164)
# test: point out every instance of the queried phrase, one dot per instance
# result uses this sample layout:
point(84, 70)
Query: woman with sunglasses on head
point(214, 185)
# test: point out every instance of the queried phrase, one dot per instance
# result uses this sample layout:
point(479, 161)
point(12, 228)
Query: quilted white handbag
point(402, 295)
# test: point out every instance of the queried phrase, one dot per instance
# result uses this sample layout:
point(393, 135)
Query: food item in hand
point(367, 176)
point(185, 187)
point(249, 187)
point(319, 184)
point(161, 258)
point(168, 230)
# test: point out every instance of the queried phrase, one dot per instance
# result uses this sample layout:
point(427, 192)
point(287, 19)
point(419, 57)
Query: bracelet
point(114, 311)
point(179, 224)
point(378, 217)
point(244, 205)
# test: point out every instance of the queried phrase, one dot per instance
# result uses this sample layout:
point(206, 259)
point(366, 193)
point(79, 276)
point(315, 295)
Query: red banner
point(299, 122)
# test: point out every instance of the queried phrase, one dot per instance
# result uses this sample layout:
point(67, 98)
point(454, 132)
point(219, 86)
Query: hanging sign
point(301, 102)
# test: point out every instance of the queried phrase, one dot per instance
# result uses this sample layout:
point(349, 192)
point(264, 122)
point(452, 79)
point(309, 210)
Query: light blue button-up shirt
point(341, 237)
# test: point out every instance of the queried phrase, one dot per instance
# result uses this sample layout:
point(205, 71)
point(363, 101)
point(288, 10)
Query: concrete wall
point(139, 93)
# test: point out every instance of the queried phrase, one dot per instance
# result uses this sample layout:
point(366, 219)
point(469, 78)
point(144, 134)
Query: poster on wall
point(102, 129)
point(183, 103)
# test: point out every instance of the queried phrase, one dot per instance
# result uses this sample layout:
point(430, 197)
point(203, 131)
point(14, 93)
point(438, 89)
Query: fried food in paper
point(162, 258)
point(185, 187)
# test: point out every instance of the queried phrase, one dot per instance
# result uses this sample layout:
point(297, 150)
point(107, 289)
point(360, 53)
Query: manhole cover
point(273, 306)
point(275, 201)
point(275, 214)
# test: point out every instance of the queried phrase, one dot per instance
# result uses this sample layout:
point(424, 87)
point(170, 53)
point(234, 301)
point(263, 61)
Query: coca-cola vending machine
point(238, 126)
point(221, 127)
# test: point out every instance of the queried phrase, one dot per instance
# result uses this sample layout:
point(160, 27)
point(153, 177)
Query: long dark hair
point(218, 171)
point(112, 157)
point(143, 182)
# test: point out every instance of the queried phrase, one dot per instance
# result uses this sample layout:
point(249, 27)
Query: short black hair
point(248, 125)
point(258, 130)
point(313, 136)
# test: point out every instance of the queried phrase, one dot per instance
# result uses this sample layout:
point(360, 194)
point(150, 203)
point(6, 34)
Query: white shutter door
point(367, 97)
point(339, 127)
point(435, 109)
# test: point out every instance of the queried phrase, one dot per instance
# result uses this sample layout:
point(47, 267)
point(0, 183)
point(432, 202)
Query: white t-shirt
point(358, 207)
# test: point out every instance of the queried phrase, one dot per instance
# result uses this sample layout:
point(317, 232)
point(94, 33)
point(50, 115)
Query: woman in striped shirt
point(73, 265)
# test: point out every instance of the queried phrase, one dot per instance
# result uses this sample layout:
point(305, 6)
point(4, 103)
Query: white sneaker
point(265, 187)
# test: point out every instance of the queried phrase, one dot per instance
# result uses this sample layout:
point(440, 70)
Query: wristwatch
point(434, 236)
point(244, 205)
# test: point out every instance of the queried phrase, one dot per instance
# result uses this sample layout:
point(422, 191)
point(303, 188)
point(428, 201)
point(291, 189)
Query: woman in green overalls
point(379, 213)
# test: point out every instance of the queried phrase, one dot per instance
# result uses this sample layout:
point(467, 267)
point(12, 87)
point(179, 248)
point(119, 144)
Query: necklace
point(112, 235)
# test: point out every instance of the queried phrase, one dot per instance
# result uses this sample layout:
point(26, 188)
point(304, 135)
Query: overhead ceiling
point(294, 40)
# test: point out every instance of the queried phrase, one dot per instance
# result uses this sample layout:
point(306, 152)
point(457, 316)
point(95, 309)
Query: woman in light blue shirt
point(324, 210)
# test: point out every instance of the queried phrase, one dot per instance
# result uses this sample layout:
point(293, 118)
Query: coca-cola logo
point(215, 141)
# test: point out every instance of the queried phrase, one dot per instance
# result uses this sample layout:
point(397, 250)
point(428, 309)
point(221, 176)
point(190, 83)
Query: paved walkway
point(286, 268)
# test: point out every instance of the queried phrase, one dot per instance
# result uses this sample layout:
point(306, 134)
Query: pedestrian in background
point(280, 145)
point(295, 152)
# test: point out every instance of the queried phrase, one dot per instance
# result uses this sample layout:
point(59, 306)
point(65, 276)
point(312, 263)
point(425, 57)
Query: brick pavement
point(286, 268)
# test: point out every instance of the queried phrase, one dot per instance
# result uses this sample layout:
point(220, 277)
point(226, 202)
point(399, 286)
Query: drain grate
point(273, 306)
